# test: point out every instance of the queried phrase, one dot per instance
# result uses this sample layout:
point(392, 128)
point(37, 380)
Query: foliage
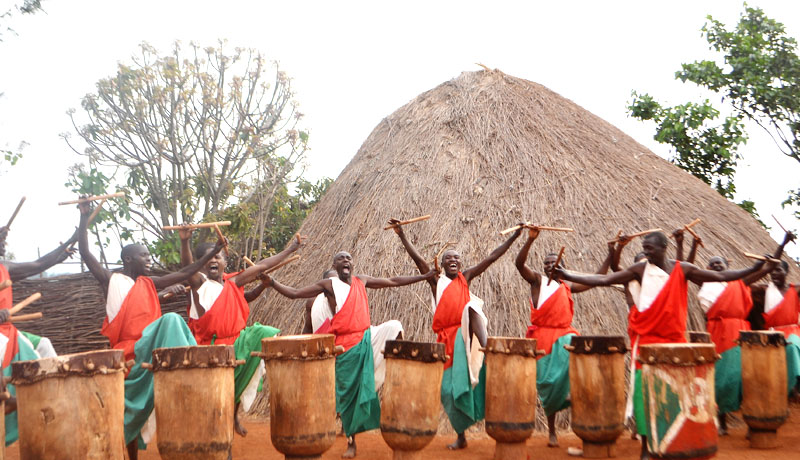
point(198, 134)
point(758, 78)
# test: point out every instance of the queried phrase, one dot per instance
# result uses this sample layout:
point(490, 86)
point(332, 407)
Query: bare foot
point(553, 441)
point(460, 443)
point(351, 449)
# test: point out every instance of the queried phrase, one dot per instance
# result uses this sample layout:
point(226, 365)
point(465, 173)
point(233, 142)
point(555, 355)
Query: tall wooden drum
point(510, 394)
point(679, 404)
point(764, 401)
point(302, 393)
point(410, 406)
point(193, 398)
point(597, 392)
point(71, 406)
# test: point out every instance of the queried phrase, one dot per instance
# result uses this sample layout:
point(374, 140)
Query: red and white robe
point(450, 312)
point(551, 316)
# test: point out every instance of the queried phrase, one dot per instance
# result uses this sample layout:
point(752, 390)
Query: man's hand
point(678, 235)
point(4, 315)
point(397, 228)
point(185, 232)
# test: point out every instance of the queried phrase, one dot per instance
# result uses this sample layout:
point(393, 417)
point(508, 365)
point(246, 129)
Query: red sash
point(447, 317)
point(352, 319)
point(226, 318)
point(784, 316)
point(665, 320)
point(138, 310)
point(728, 315)
point(5, 295)
point(553, 319)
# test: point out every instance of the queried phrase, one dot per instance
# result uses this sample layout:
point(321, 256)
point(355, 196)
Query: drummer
point(360, 370)
point(551, 326)
point(135, 325)
point(219, 310)
point(661, 309)
point(19, 345)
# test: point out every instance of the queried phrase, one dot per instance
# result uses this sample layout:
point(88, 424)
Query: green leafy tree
point(758, 77)
point(197, 134)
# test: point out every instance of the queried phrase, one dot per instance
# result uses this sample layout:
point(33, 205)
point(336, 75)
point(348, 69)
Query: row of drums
point(72, 406)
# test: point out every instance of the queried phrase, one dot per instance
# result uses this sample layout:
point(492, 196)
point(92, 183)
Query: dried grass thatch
point(480, 153)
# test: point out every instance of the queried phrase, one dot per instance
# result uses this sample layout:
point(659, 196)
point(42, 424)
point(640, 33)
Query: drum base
point(510, 451)
point(599, 450)
point(763, 439)
point(407, 455)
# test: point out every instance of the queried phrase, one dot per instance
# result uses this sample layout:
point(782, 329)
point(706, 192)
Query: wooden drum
point(679, 404)
point(510, 394)
point(193, 398)
point(302, 393)
point(410, 407)
point(71, 406)
point(764, 401)
point(597, 392)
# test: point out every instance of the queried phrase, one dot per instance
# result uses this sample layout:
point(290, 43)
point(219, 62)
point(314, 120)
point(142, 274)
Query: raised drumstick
point(634, 235)
point(221, 223)
point(93, 198)
point(27, 317)
point(5, 284)
point(409, 221)
point(31, 298)
point(22, 200)
point(540, 227)
point(558, 261)
point(781, 226)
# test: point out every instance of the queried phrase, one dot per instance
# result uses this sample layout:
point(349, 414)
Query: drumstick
point(529, 225)
point(95, 212)
point(93, 198)
point(558, 261)
point(222, 238)
point(781, 226)
point(750, 255)
point(285, 262)
point(22, 200)
point(409, 221)
point(170, 294)
point(27, 317)
point(32, 298)
point(221, 223)
point(644, 232)
point(5, 284)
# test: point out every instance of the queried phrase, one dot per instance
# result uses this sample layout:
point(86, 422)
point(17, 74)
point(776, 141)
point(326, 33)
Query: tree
point(196, 134)
point(758, 77)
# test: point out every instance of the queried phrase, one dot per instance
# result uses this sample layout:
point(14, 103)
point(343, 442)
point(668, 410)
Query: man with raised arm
point(457, 318)
point(662, 304)
point(782, 313)
point(219, 309)
point(552, 309)
point(134, 323)
point(360, 370)
point(16, 345)
point(726, 306)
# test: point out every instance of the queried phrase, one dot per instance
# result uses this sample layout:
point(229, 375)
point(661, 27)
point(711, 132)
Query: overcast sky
point(353, 63)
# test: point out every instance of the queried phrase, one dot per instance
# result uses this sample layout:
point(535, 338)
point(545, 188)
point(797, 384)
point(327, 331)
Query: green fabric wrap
point(249, 340)
point(552, 377)
point(356, 397)
point(25, 353)
point(728, 380)
point(638, 405)
point(793, 361)
point(35, 339)
point(463, 404)
point(169, 331)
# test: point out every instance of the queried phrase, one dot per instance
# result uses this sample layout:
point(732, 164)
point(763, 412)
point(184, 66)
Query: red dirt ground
point(371, 446)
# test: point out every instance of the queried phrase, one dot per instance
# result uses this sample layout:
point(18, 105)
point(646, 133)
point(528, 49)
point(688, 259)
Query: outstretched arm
point(578, 287)
point(480, 267)
point(308, 292)
point(21, 270)
point(527, 274)
point(185, 234)
point(419, 261)
point(101, 274)
point(379, 283)
point(186, 272)
point(251, 273)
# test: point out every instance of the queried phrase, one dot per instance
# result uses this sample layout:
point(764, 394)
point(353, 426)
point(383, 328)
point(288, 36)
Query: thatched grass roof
point(480, 153)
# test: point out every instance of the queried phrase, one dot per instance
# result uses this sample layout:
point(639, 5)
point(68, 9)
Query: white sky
point(352, 64)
